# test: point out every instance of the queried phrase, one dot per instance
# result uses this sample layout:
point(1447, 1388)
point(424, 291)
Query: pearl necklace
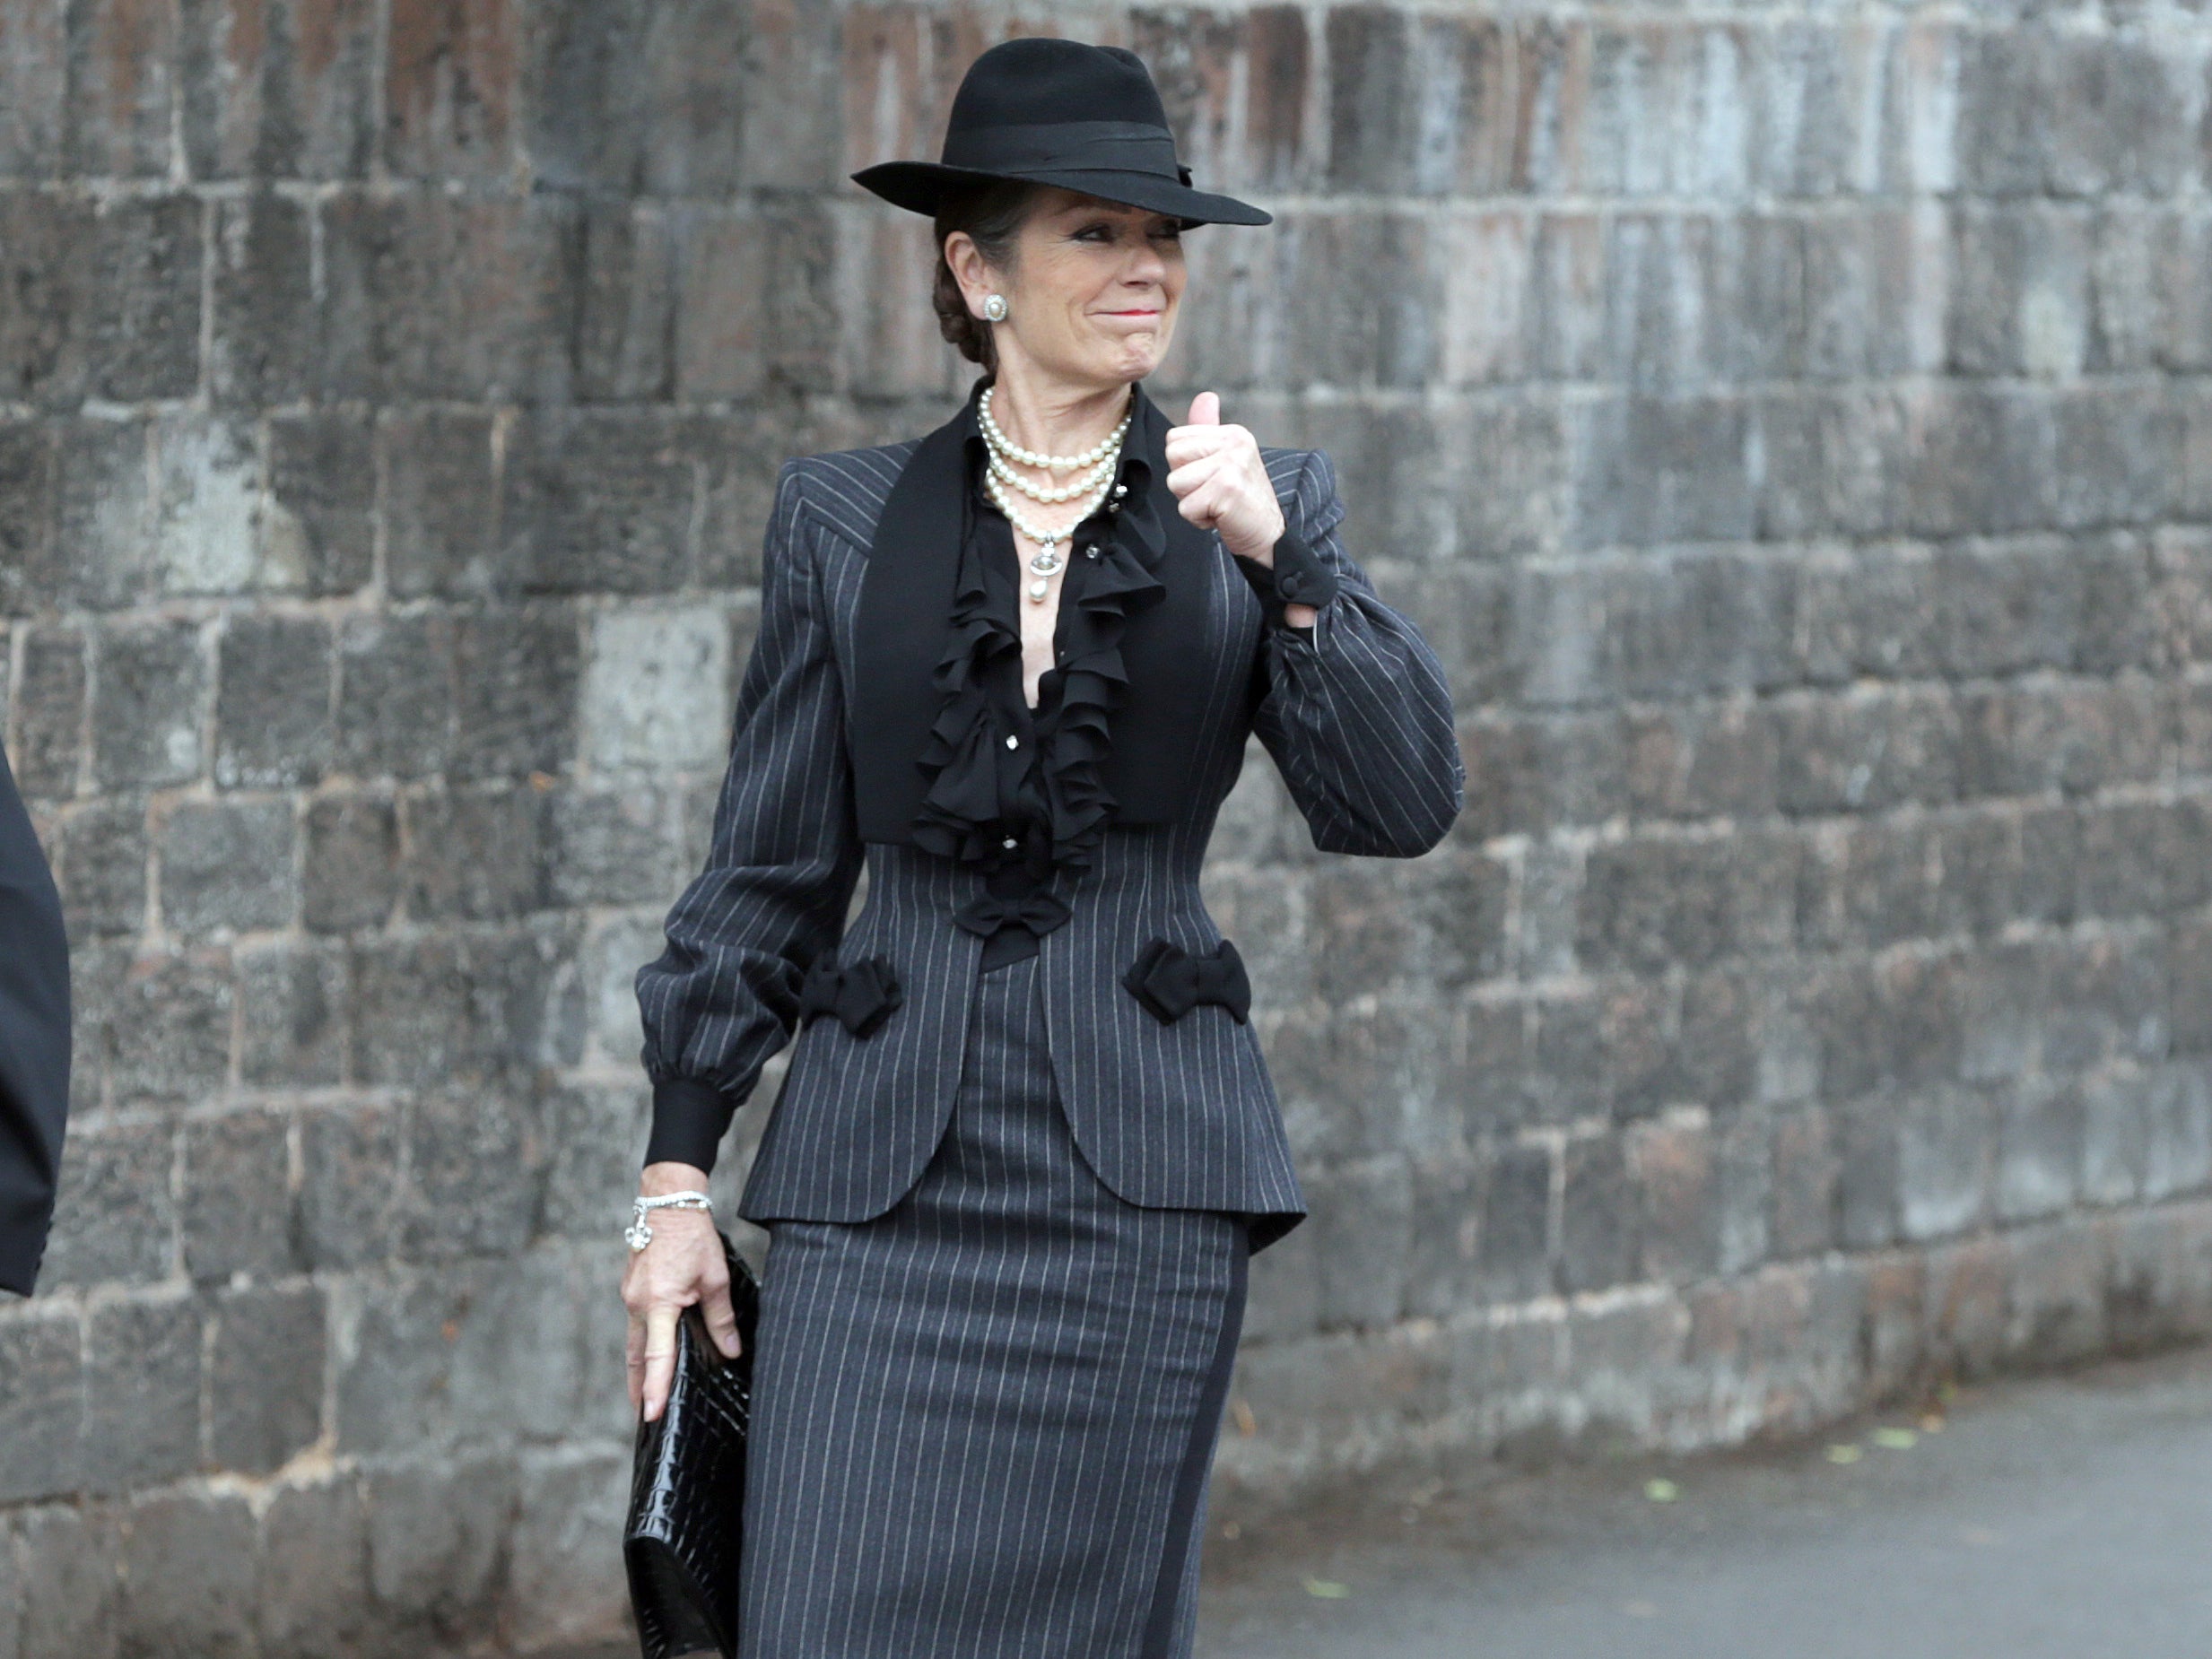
point(1006, 446)
point(1091, 489)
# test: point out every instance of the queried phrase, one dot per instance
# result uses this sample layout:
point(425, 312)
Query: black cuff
point(1298, 577)
point(689, 1120)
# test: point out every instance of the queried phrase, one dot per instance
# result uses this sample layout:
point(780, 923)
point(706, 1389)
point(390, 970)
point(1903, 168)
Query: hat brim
point(921, 188)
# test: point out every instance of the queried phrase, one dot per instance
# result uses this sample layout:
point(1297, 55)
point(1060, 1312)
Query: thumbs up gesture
point(1221, 484)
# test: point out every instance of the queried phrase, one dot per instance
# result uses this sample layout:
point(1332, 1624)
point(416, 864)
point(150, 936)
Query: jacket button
point(1012, 741)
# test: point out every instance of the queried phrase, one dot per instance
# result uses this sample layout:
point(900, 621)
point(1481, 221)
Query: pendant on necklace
point(1039, 588)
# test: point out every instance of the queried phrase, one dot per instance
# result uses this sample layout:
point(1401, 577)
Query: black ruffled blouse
point(1015, 790)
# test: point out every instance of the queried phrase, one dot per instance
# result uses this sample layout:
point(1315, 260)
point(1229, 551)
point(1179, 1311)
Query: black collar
point(905, 607)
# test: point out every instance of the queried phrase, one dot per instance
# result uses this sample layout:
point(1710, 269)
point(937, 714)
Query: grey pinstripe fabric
point(1356, 715)
point(982, 1420)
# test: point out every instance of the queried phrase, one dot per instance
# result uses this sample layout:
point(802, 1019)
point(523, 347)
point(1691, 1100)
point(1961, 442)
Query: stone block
point(271, 336)
point(47, 746)
point(100, 865)
point(1744, 1187)
point(105, 300)
point(295, 96)
point(473, 1176)
point(478, 1349)
point(1514, 1245)
point(2059, 1274)
point(1673, 1165)
point(166, 1031)
point(431, 1011)
point(637, 97)
point(188, 1576)
point(565, 1583)
point(443, 519)
point(519, 679)
point(1597, 1216)
point(1806, 1171)
point(1443, 1257)
point(273, 723)
point(614, 846)
point(293, 1002)
point(596, 502)
point(655, 690)
point(453, 83)
point(209, 486)
point(30, 133)
point(626, 297)
point(319, 532)
point(1945, 1146)
point(2041, 1125)
point(396, 696)
point(400, 327)
point(437, 1537)
point(475, 856)
point(352, 874)
point(313, 1590)
point(1650, 903)
point(116, 1219)
point(348, 1194)
point(2022, 272)
point(1868, 1135)
point(237, 1212)
point(1650, 471)
point(142, 1388)
point(41, 1404)
point(148, 685)
point(1362, 1226)
point(1364, 294)
point(2178, 1158)
point(102, 545)
point(70, 1556)
point(1868, 751)
point(594, 1139)
point(228, 867)
point(264, 1382)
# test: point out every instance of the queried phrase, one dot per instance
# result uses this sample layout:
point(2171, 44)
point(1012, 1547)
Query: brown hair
point(993, 215)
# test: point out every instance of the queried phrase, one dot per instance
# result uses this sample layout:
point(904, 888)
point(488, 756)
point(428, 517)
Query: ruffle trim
point(958, 817)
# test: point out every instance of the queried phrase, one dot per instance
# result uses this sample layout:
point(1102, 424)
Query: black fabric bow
point(1170, 982)
point(862, 995)
point(1039, 910)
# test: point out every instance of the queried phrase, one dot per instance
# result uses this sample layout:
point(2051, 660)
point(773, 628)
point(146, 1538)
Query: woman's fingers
point(1187, 443)
point(634, 1355)
point(660, 1326)
point(721, 1319)
point(1183, 480)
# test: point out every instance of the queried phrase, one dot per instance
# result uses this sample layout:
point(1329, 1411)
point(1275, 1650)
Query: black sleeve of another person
point(34, 1041)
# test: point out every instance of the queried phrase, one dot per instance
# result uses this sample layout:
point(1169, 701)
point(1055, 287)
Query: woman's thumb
point(1206, 409)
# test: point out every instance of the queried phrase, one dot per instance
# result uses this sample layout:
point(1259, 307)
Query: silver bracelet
point(639, 1233)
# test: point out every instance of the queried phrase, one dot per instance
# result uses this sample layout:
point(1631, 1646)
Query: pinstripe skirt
point(983, 1421)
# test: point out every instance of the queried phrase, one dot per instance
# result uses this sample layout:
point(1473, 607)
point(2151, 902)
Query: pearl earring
point(994, 307)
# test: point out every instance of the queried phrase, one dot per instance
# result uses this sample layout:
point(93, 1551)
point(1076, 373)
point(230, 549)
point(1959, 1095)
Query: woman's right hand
point(683, 1266)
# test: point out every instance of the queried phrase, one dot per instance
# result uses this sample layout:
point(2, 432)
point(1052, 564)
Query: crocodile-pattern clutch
point(687, 1488)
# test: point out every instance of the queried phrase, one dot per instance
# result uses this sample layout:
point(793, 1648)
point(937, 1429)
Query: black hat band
point(1066, 147)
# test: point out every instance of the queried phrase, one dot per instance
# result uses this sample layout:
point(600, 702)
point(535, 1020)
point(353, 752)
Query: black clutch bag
point(687, 1488)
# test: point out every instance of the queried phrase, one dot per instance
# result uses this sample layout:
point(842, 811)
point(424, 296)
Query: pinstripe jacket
point(1353, 710)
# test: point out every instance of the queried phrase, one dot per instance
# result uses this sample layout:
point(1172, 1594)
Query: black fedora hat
point(1058, 112)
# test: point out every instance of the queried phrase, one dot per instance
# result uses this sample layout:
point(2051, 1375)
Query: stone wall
point(1793, 425)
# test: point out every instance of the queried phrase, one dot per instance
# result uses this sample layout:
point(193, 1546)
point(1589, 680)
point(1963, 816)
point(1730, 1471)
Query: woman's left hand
point(1221, 484)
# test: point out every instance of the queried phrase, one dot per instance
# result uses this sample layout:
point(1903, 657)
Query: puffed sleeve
point(34, 1042)
point(1355, 708)
point(724, 996)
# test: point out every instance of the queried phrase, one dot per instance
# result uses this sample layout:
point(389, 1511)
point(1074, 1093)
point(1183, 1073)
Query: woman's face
point(1091, 292)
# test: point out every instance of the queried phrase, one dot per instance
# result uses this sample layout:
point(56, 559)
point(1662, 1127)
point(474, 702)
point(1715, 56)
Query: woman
point(1026, 1141)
